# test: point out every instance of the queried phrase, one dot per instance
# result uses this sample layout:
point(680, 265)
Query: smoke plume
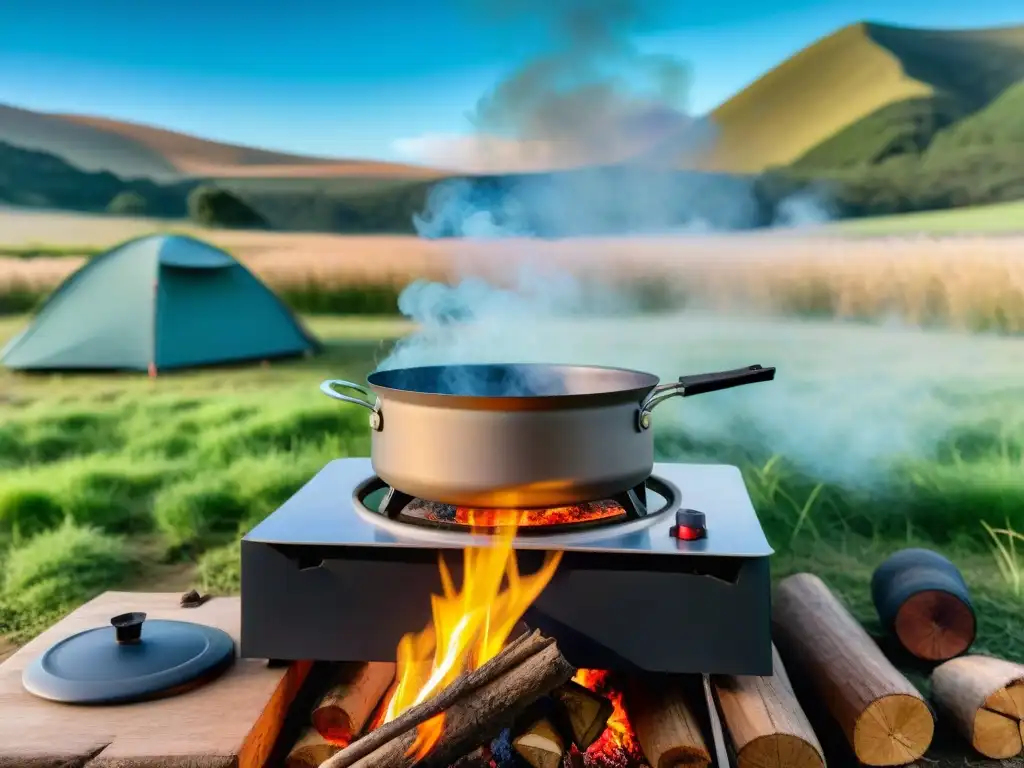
point(835, 407)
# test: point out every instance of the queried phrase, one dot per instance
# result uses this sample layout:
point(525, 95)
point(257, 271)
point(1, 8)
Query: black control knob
point(128, 627)
point(690, 525)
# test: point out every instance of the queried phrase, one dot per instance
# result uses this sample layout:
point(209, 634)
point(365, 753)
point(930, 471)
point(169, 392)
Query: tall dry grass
point(974, 283)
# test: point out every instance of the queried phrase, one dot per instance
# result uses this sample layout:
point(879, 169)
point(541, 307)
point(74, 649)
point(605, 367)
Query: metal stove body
point(329, 577)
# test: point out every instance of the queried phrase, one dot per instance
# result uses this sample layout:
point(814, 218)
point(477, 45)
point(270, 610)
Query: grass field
point(1002, 218)
point(121, 480)
point(973, 282)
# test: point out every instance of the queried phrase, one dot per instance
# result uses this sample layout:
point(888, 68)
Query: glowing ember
point(523, 518)
point(580, 513)
point(469, 626)
point(618, 744)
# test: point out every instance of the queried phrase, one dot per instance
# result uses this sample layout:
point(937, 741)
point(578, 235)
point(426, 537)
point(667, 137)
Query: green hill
point(864, 94)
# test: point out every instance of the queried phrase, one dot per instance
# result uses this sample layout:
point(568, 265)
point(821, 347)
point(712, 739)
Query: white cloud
point(482, 154)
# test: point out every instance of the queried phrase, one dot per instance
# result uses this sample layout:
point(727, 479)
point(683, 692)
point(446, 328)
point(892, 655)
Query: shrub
point(215, 207)
point(127, 203)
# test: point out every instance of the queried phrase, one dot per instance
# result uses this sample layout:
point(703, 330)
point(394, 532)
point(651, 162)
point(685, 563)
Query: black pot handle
point(699, 383)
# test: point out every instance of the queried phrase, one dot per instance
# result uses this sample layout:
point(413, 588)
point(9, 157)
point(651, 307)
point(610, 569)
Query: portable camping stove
point(671, 577)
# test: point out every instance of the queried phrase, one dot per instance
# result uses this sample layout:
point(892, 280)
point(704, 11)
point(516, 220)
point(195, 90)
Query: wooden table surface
point(232, 721)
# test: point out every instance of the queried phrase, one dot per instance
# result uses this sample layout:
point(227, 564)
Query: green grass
point(106, 480)
point(999, 218)
point(38, 250)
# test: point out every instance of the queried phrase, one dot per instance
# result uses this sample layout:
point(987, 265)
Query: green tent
point(158, 302)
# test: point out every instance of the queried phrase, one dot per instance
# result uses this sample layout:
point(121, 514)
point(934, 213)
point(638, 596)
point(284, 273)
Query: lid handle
point(128, 627)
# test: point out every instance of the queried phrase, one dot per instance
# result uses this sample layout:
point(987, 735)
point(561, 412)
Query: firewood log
point(540, 744)
point(480, 714)
point(354, 693)
point(981, 694)
point(922, 599)
point(478, 758)
point(512, 656)
point(666, 725)
point(766, 725)
point(310, 750)
point(884, 718)
point(586, 713)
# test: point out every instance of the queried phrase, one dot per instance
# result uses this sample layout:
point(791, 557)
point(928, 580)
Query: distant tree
point(128, 203)
point(216, 207)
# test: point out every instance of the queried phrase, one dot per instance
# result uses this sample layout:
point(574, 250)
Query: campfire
point(469, 691)
point(470, 626)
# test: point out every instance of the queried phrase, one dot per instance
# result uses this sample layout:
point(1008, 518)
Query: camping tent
point(158, 302)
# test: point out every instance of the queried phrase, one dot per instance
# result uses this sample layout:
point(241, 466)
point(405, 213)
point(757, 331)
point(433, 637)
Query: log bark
point(351, 698)
point(922, 599)
point(478, 758)
point(666, 725)
point(884, 718)
point(586, 713)
point(310, 750)
point(765, 722)
point(511, 655)
point(479, 716)
point(981, 695)
point(540, 744)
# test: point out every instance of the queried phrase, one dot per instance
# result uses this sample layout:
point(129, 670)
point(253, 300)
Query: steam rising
point(846, 400)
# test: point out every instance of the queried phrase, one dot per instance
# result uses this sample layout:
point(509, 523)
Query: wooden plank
point(231, 722)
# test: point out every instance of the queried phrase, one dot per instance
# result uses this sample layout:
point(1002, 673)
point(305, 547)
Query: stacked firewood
point(353, 693)
point(526, 699)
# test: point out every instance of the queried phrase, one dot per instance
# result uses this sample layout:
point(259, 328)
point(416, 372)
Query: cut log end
point(935, 626)
point(334, 725)
point(996, 736)
point(779, 750)
point(893, 730)
point(679, 756)
point(1007, 701)
point(310, 750)
point(541, 745)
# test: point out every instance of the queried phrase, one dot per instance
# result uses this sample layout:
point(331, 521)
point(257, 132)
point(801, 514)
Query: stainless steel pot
point(522, 435)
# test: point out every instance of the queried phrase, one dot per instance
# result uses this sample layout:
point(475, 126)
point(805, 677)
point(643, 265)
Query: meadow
point(897, 418)
point(973, 281)
point(124, 481)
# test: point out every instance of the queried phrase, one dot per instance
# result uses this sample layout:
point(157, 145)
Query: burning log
point(572, 716)
point(586, 713)
point(351, 698)
point(310, 750)
point(766, 724)
point(540, 744)
point(984, 697)
point(525, 670)
point(480, 716)
point(884, 718)
point(666, 726)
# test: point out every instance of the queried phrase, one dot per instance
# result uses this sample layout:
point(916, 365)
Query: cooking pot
point(519, 435)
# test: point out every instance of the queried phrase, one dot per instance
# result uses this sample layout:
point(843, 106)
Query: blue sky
point(351, 78)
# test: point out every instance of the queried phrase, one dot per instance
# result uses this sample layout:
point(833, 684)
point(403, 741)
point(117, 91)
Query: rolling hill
point(852, 96)
point(138, 151)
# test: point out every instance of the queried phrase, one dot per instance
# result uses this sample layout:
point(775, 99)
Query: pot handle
point(701, 383)
point(328, 388)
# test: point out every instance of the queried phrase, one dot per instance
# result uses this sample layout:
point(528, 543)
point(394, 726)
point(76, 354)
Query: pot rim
point(640, 383)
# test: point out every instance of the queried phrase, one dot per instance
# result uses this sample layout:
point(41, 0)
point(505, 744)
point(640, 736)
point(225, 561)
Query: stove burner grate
point(628, 506)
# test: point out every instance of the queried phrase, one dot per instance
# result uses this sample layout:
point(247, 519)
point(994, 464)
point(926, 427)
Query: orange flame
point(469, 627)
point(619, 738)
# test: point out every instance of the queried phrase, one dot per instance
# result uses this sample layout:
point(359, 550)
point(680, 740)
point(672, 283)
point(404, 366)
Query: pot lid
point(129, 662)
